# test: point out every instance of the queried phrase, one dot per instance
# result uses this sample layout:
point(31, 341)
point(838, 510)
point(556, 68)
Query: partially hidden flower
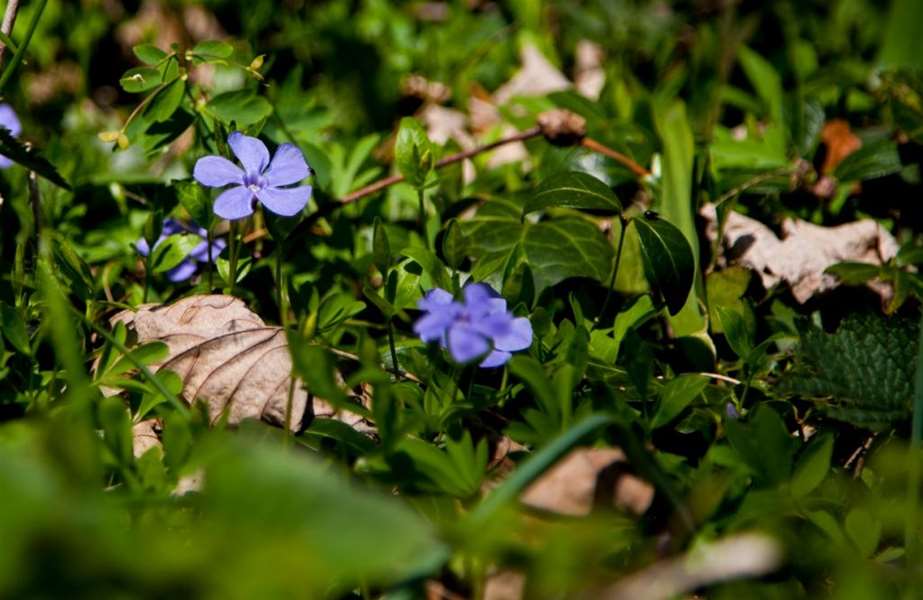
point(9, 120)
point(480, 325)
point(190, 264)
point(259, 181)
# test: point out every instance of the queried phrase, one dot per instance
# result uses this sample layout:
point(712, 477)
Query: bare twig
point(615, 155)
point(9, 19)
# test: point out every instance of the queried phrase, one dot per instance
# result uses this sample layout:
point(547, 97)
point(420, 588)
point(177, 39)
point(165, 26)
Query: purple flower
point(480, 325)
point(199, 254)
point(9, 120)
point(259, 181)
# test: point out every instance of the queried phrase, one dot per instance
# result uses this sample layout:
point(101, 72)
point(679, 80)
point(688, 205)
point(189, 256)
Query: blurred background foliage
point(727, 102)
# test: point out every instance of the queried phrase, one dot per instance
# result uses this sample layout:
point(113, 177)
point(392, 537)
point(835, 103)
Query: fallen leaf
point(505, 584)
point(536, 77)
point(738, 556)
point(589, 76)
point(227, 358)
point(840, 142)
point(805, 251)
point(588, 478)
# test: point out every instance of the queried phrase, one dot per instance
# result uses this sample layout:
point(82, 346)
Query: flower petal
point(200, 252)
point(250, 151)
point(477, 295)
point(216, 171)
point(9, 119)
point(182, 271)
point(285, 201)
point(142, 247)
point(495, 359)
point(5, 163)
point(466, 344)
point(287, 167)
point(435, 299)
point(519, 336)
point(432, 327)
point(234, 203)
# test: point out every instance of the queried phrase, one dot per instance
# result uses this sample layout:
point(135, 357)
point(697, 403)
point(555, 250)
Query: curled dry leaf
point(227, 358)
point(735, 557)
point(588, 478)
point(804, 252)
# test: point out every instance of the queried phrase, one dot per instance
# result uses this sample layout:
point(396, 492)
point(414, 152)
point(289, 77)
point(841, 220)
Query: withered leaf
point(803, 253)
point(228, 358)
point(588, 478)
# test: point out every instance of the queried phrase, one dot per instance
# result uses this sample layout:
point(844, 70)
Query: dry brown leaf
point(589, 76)
point(505, 585)
point(840, 142)
point(804, 252)
point(588, 478)
point(537, 77)
point(739, 556)
point(227, 358)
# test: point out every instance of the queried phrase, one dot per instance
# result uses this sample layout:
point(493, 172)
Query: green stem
point(234, 244)
point(615, 269)
point(394, 366)
point(147, 274)
point(21, 51)
point(211, 260)
point(280, 293)
point(422, 215)
point(288, 412)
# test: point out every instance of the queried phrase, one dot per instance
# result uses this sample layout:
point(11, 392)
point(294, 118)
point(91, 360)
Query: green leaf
point(381, 247)
point(668, 260)
point(316, 368)
point(563, 248)
point(140, 79)
point(573, 189)
point(454, 244)
point(116, 425)
point(242, 107)
point(532, 373)
point(676, 395)
point(862, 373)
point(166, 101)
point(871, 161)
point(902, 44)
point(14, 329)
point(172, 251)
point(854, 273)
point(413, 152)
point(196, 201)
point(763, 442)
point(765, 80)
point(813, 465)
point(735, 330)
point(336, 308)
point(29, 158)
point(210, 49)
point(149, 54)
point(864, 530)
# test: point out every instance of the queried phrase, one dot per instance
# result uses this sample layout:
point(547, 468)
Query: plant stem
point(394, 366)
point(147, 274)
point(626, 161)
point(288, 413)
point(9, 19)
point(234, 244)
point(422, 213)
point(18, 55)
point(280, 292)
point(615, 268)
point(211, 260)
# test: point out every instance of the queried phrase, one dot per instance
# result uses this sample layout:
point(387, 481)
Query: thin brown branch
point(448, 160)
point(9, 19)
point(615, 155)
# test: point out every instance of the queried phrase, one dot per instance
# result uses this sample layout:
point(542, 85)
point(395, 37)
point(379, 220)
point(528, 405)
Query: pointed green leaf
point(668, 260)
point(573, 190)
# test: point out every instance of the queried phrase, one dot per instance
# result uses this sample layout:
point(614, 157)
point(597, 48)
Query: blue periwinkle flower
point(199, 254)
point(259, 181)
point(9, 120)
point(480, 325)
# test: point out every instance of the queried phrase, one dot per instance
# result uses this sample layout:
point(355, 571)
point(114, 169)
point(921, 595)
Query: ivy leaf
point(564, 248)
point(242, 107)
point(573, 190)
point(17, 152)
point(668, 260)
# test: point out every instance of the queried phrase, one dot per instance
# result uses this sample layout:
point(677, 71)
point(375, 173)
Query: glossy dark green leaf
point(573, 189)
point(870, 162)
point(196, 201)
point(381, 247)
point(316, 367)
point(854, 273)
point(735, 330)
point(14, 329)
point(563, 248)
point(172, 251)
point(454, 244)
point(812, 465)
point(668, 260)
point(242, 107)
point(764, 444)
point(29, 158)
